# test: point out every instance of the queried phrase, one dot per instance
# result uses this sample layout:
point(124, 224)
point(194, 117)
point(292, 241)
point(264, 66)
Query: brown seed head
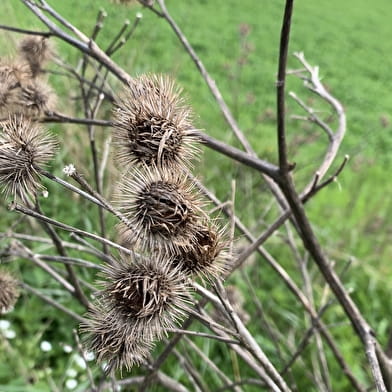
point(140, 298)
point(206, 256)
point(11, 78)
point(9, 292)
point(110, 338)
point(22, 95)
point(8, 86)
point(34, 98)
point(153, 125)
point(24, 148)
point(161, 208)
point(35, 51)
point(148, 294)
point(19, 70)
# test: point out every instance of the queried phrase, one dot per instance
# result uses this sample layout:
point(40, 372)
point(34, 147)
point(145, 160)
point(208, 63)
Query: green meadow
point(238, 43)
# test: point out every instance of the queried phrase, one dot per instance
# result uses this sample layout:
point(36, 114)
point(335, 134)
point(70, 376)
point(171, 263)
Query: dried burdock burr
point(35, 51)
point(19, 71)
point(34, 98)
point(162, 209)
point(24, 148)
point(153, 125)
point(8, 85)
point(22, 95)
point(207, 256)
point(109, 337)
point(9, 291)
point(140, 298)
point(147, 292)
point(11, 78)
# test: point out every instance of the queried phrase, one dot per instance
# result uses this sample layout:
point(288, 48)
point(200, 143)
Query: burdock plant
point(22, 92)
point(12, 76)
point(109, 337)
point(24, 148)
point(141, 297)
point(206, 256)
point(153, 125)
point(34, 98)
point(9, 291)
point(35, 51)
point(162, 209)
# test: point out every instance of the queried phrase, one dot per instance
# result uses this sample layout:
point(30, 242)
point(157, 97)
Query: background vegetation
point(238, 43)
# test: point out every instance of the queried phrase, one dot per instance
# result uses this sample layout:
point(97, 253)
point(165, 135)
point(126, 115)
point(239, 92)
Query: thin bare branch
point(280, 87)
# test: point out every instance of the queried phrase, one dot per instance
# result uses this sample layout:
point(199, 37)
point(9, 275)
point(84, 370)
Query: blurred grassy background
point(238, 43)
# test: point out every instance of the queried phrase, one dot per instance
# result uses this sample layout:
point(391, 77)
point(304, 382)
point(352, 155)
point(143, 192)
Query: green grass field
point(350, 42)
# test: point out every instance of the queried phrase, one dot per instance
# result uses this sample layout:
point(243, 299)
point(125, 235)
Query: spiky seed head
point(140, 298)
point(22, 95)
point(9, 291)
point(11, 78)
point(147, 293)
point(109, 337)
point(19, 70)
point(207, 255)
point(35, 51)
point(161, 207)
point(152, 124)
point(35, 97)
point(24, 147)
point(8, 86)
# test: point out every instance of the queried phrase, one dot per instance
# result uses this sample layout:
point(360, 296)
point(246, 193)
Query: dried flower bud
point(9, 292)
point(8, 84)
point(34, 98)
point(107, 335)
point(141, 297)
point(11, 77)
point(161, 208)
point(19, 71)
point(148, 293)
point(35, 51)
point(152, 125)
point(22, 95)
point(206, 256)
point(24, 148)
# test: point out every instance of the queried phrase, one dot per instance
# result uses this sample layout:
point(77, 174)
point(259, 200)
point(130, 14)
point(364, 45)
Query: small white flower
point(71, 383)
point(139, 15)
point(45, 193)
point(89, 356)
point(71, 372)
point(80, 361)
point(45, 346)
point(67, 348)
point(9, 333)
point(4, 324)
point(69, 169)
